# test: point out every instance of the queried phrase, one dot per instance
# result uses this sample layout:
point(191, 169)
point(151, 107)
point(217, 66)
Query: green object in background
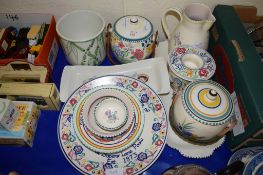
point(247, 70)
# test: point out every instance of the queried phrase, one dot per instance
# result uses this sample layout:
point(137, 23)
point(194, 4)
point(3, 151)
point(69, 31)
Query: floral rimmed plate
point(133, 160)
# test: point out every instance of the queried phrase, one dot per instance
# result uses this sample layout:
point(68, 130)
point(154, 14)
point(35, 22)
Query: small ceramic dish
point(155, 71)
point(96, 139)
point(110, 112)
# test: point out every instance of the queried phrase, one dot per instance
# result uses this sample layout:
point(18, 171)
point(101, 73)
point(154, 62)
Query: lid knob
point(211, 95)
point(134, 20)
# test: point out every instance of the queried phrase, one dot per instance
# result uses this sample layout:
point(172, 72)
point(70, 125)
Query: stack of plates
point(112, 124)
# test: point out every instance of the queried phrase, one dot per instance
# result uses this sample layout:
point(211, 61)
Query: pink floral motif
point(158, 106)
point(180, 50)
point(203, 72)
point(135, 84)
point(159, 142)
point(138, 54)
point(129, 170)
point(121, 45)
point(65, 136)
point(73, 101)
point(88, 167)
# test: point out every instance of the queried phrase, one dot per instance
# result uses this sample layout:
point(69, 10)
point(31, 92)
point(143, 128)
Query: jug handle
point(231, 125)
point(174, 12)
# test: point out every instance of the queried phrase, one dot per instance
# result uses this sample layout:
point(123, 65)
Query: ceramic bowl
point(189, 63)
point(110, 113)
point(82, 36)
point(132, 38)
point(203, 112)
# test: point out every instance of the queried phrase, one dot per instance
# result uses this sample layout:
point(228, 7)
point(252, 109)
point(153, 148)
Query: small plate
point(255, 165)
point(90, 104)
point(151, 71)
point(119, 140)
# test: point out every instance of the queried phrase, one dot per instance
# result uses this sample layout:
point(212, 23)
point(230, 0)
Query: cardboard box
point(49, 50)
point(25, 126)
point(45, 95)
point(8, 114)
point(18, 71)
point(240, 70)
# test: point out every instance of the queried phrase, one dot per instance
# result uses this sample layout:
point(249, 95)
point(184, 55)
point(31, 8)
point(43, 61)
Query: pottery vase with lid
point(202, 113)
point(192, 27)
point(132, 38)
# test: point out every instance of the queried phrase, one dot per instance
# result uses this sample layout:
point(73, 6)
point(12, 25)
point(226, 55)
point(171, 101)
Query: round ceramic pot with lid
point(202, 113)
point(189, 63)
point(132, 38)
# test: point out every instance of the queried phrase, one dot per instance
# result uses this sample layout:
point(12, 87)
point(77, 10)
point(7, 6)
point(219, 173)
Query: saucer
point(136, 158)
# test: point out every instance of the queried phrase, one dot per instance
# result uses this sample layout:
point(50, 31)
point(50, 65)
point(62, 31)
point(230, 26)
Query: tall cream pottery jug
point(193, 27)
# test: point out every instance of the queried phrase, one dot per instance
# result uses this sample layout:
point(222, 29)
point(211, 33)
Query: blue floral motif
point(179, 66)
point(142, 156)
point(144, 98)
point(156, 126)
point(107, 166)
point(118, 51)
point(78, 149)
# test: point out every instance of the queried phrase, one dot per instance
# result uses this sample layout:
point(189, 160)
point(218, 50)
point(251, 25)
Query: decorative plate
point(99, 141)
point(245, 153)
point(191, 63)
point(134, 159)
point(119, 122)
point(255, 165)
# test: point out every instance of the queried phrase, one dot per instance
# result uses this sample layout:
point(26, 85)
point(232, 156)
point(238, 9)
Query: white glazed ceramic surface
point(132, 38)
point(185, 148)
point(202, 111)
point(88, 107)
point(81, 35)
point(100, 140)
point(136, 158)
point(193, 26)
point(188, 63)
point(155, 69)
